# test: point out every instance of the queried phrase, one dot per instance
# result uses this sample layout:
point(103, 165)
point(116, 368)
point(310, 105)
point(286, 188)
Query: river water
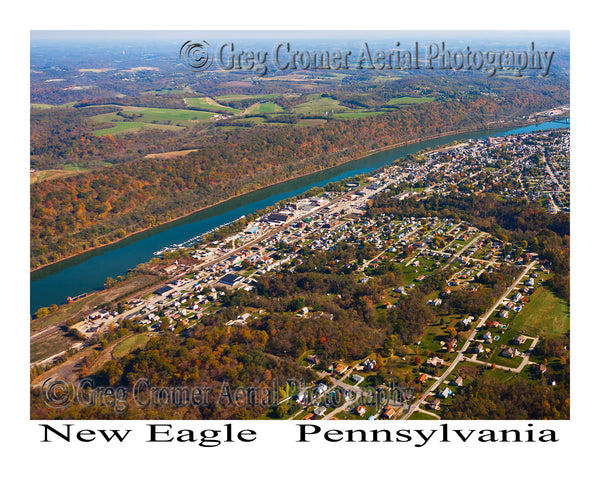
point(88, 271)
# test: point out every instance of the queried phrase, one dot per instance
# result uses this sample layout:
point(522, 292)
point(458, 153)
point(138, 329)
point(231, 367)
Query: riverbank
point(363, 154)
point(88, 272)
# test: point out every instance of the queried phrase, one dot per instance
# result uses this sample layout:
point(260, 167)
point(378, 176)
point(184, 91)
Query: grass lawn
point(500, 375)
point(130, 344)
point(421, 416)
point(545, 314)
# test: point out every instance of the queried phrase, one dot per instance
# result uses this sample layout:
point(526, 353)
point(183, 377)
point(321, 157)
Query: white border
point(277, 454)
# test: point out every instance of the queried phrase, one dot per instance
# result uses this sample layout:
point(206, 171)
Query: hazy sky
point(43, 36)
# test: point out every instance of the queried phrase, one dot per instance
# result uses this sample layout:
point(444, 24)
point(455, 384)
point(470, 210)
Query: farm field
point(233, 97)
point(132, 126)
point(409, 100)
point(357, 114)
point(140, 117)
point(208, 103)
point(68, 171)
point(47, 106)
point(317, 105)
point(267, 107)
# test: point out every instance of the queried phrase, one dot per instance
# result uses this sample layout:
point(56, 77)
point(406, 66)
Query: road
point(460, 356)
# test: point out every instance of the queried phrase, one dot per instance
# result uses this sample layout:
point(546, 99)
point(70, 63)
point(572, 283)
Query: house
point(451, 343)
point(478, 348)
point(487, 335)
point(320, 388)
point(310, 416)
point(435, 361)
point(340, 369)
point(99, 315)
point(313, 359)
point(422, 378)
point(520, 340)
point(540, 369)
point(458, 381)
point(320, 411)
point(503, 313)
point(369, 364)
point(357, 378)
point(388, 412)
point(509, 352)
point(435, 404)
point(301, 397)
point(169, 269)
point(445, 393)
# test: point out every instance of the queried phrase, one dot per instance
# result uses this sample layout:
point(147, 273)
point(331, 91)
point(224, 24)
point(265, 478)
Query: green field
point(409, 100)
point(208, 103)
point(150, 117)
point(358, 114)
point(545, 314)
point(45, 106)
point(421, 416)
point(318, 105)
point(130, 344)
point(169, 91)
point(267, 107)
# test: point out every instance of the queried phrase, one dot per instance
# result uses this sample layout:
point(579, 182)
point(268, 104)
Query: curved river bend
point(88, 271)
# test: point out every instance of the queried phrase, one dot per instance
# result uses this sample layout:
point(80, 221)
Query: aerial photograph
point(299, 225)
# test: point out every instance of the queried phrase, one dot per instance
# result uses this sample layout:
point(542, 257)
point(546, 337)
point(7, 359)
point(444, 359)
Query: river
point(88, 271)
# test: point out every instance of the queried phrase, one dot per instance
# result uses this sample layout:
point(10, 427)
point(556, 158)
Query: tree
point(389, 345)
point(379, 361)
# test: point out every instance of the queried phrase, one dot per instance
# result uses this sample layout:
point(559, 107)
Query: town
point(531, 167)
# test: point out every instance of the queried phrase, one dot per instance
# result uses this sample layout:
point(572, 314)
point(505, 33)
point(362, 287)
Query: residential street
point(460, 357)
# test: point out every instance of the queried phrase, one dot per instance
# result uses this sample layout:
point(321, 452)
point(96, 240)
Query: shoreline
point(295, 177)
